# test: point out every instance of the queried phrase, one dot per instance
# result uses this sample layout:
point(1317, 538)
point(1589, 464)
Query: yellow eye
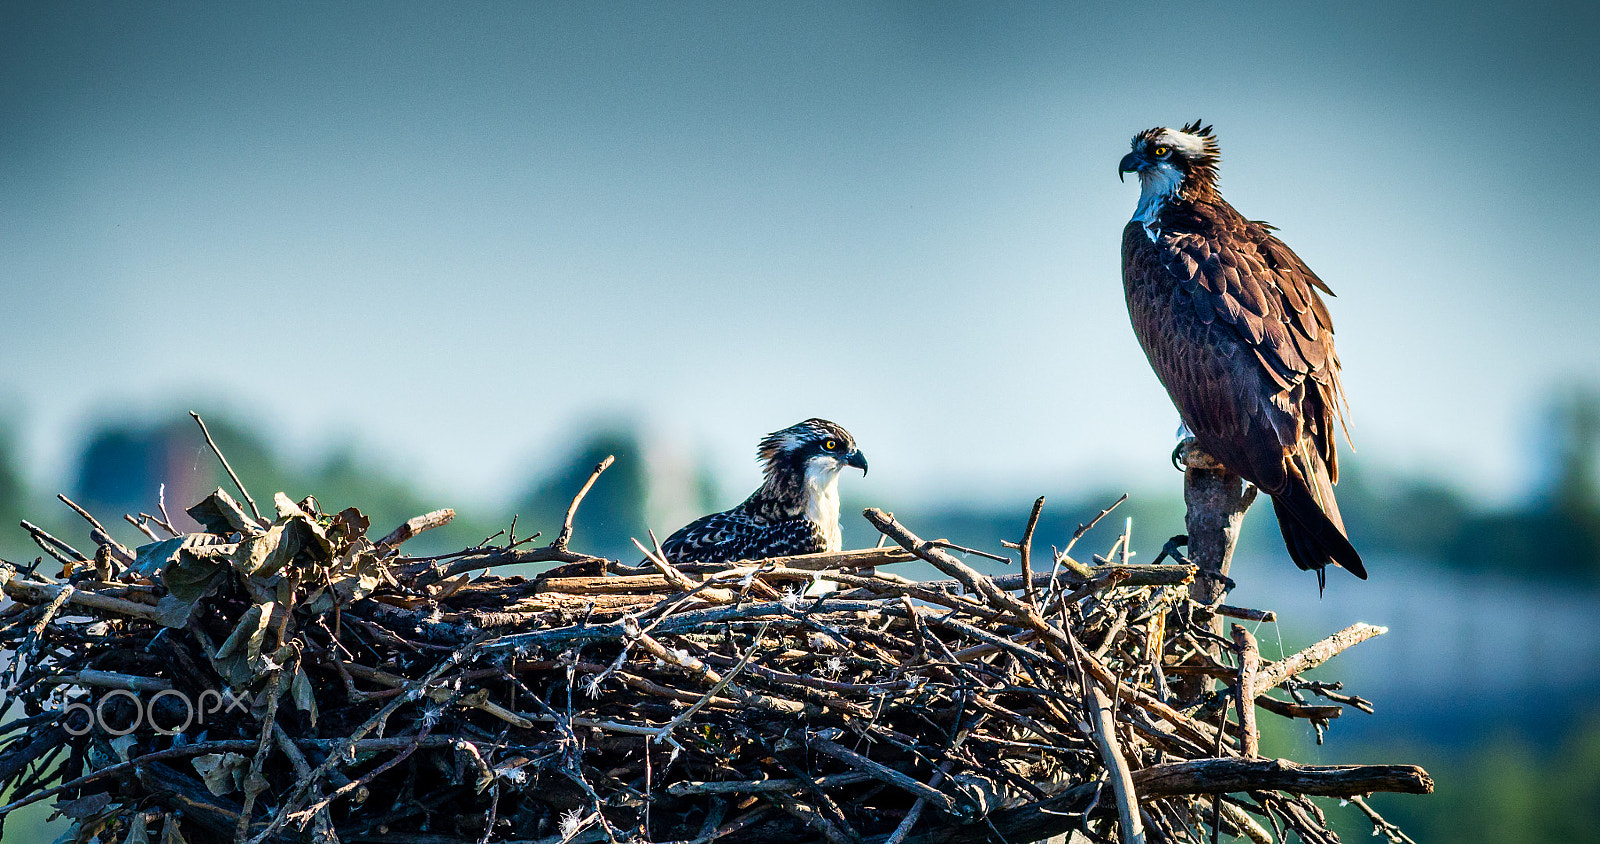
point(831, 445)
point(1161, 152)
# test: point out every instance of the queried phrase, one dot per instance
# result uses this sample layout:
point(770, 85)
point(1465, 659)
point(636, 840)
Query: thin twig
point(254, 782)
point(1244, 613)
point(1087, 526)
point(298, 796)
point(1025, 551)
point(141, 527)
point(99, 534)
point(236, 482)
point(572, 510)
point(941, 801)
point(658, 558)
point(1273, 674)
point(49, 543)
point(1379, 825)
point(1064, 556)
point(945, 543)
point(662, 734)
point(1249, 663)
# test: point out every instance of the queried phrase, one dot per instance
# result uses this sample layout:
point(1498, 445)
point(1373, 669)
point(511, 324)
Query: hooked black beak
point(858, 460)
point(1130, 164)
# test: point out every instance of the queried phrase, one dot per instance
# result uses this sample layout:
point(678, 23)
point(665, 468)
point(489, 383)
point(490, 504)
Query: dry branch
point(1211, 776)
point(1129, 822)
point(231, 474)
point(1249, 664)
point(416, 525)
point(1273, 674)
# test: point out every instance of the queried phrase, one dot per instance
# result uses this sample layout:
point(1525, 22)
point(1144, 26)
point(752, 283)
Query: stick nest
point(292, 679)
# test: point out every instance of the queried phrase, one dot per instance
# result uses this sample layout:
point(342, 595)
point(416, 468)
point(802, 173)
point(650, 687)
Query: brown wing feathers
point(1295, 354)
point(1244, 345)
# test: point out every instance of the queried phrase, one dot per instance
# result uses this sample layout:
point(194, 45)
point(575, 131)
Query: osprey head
point(1173, 161)
point(815, 446)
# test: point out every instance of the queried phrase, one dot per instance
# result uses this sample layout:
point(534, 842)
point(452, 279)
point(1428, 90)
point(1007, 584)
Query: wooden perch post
point(1216, 500)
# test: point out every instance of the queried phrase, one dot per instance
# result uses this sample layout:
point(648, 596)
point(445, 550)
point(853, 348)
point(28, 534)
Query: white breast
point(1156, 185)
point(822, 498)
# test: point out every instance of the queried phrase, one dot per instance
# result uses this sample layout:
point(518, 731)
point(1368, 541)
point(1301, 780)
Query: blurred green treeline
point(128, 467)
point(1554, 532)
point(122, 466)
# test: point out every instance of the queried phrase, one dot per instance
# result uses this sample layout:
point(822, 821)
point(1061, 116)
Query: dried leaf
point(355, 586)
point(239, 655)
point(359, 574)
point(190, 567)
point(318, 602)
point(267, 554)
point(223, 773)
point(121, 745)
point(295, 518)
point(218, 513)
point(80, 832)
point(349, 525)
point(313, 538)
point(304, 696)
point(150, 559)
point(234, 669)
point(170, 833)
point(138, 830)
point(196, 570)
point(263, 555)
point(85, 807)
point(286, 507)
point(174, 612)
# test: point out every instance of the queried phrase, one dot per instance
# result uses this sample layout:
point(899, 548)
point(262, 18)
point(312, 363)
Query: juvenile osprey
point(1232, 324)
point(796, 510)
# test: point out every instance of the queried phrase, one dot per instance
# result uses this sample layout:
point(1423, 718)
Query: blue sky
point(458, 233)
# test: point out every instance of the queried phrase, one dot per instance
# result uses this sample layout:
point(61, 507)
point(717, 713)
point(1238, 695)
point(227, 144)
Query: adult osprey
point(1232, 324)
point(796, 510)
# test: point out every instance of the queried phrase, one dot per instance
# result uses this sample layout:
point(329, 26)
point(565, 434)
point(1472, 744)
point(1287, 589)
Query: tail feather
point(1313, 538)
